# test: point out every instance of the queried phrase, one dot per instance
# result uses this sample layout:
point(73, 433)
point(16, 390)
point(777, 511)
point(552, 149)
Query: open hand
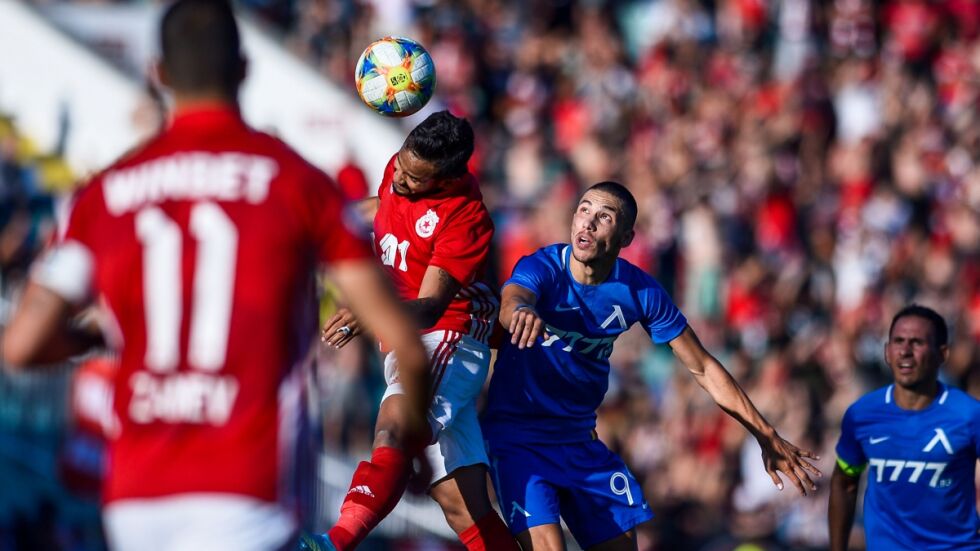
point(525, 327)
point(340, 329)
point(782, 456)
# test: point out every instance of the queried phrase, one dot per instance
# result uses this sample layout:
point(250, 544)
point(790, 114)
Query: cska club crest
point(426, 224)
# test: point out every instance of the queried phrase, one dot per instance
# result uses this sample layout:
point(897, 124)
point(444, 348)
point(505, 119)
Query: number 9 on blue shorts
point(583, 483)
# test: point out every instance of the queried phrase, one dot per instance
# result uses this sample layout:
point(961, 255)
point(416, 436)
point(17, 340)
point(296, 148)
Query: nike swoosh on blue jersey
point(878, 440)
point(563, 308)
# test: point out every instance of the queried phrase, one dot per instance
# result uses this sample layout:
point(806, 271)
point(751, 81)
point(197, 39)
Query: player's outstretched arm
point(41, 331)
point(375, 304)
point(518, 315)
point(840, 513)
point(777, 454)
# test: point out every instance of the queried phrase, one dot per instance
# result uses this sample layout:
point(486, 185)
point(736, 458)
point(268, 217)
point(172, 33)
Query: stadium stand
point(40, 505)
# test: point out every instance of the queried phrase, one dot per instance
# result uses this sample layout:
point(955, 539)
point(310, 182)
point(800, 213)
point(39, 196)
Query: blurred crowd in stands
point(49, 472)
point(803, 168)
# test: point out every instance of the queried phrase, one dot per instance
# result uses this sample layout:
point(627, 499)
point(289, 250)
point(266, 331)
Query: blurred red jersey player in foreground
point(203, 245)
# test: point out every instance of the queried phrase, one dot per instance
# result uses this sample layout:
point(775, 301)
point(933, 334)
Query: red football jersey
point(450, 229)
point(203, 245)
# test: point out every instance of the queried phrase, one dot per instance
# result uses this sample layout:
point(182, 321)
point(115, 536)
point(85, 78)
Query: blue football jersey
point(920, 493)
point(550, 391)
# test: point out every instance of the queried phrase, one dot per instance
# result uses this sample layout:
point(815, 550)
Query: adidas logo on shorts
point(361, 490)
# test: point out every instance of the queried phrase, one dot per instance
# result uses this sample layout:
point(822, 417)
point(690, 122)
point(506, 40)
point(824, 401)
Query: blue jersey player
point(564, 306)
point(919, 441)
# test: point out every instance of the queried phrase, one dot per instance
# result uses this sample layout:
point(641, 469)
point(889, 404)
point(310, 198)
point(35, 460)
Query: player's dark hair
point(939, 330)
point(443, 140)
point(626, 198)
point(201, 47)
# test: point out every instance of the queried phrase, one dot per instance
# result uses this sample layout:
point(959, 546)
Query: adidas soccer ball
point(395, 76)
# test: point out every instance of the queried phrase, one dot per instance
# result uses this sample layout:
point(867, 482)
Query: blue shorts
point(583, 483)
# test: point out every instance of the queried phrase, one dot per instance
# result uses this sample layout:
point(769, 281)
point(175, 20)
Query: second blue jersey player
point(564, 306)
point(919, 441)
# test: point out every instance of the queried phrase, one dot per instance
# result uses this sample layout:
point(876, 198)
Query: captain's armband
point(851, 470)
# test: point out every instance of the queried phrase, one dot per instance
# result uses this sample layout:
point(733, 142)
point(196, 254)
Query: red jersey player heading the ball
point(202, 244)
point(432, 233)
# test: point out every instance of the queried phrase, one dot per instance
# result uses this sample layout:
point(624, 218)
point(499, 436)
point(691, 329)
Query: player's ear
point(628, 236)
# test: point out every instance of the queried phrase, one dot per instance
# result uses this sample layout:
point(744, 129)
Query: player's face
point(912, 352)
point(597, 228)
point(413, 176)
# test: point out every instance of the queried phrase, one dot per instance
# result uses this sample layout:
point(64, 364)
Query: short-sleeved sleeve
point(68, 267)
point(662, 319)
point(534, 273)
point(84, 211)
point(462, 246)
point(850, 456)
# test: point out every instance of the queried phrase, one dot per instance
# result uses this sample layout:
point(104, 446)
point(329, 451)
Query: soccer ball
point(395, 76)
